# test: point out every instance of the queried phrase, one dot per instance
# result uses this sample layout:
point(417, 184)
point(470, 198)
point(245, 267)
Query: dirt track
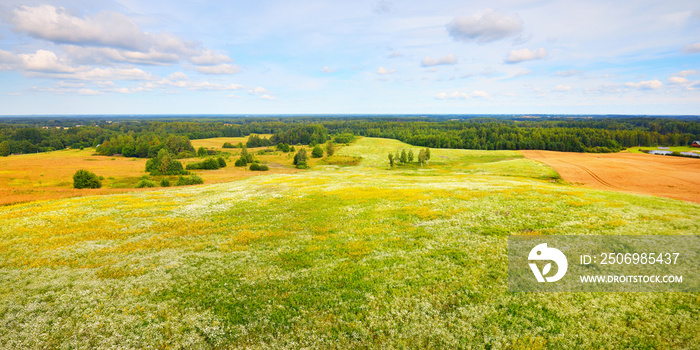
point(664, 176)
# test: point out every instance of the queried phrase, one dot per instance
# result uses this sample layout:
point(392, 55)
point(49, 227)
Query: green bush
point(255, 166)
point(240, 162)
point(164, 164)
point(86, 179)
point(228, 145)
point(263, 168)
point(192, 180)
point(165, 182)
point(145, 183)
point(208, 164)
point(317, 152)
point(222, 162)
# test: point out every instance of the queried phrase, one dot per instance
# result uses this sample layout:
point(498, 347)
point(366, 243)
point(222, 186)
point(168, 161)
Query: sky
point(349, 57)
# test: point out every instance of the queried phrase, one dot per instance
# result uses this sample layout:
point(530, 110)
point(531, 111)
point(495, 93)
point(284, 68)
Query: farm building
point(695, 144)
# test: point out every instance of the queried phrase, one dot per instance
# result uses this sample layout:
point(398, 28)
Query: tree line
point(145, 137)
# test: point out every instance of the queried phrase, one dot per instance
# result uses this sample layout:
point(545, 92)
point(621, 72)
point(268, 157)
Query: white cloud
point(327, 70)
point(445, 60)
point(109, 37)
point(516, 56)
point(395, 54)
point(45, 61)
point(481, 94)
point(567, 73)
point(692, 48)
point(562, 88)
point(219, 69)
point(57, 25)
point(384, 71)
point(462, 95)
point(678, 80)
point(685, 73)
point(267, 97)
point(89, 92)
point(646, 85)
point(181, 80)
point(485, 26)
point(209, 57)
point(257, 90)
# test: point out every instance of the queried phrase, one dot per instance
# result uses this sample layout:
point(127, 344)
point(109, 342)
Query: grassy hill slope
point(334, 257)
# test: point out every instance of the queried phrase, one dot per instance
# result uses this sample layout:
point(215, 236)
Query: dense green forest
point(145, 137)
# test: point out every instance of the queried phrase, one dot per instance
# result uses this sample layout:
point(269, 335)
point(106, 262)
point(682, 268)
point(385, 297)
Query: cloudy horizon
point(374, 57)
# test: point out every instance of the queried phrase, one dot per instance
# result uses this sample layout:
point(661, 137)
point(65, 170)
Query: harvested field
point(664, 176)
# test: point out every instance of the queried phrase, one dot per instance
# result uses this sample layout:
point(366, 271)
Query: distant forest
point(144, 137)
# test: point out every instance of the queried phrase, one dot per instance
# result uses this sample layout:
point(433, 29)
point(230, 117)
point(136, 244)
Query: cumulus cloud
point(209, 57)
point(677, 80)
point(44, 61)
point(395, 54)
point(481, 94)
point(218, 69)
point(685, 73)
point(445, 60)
point(561, 88)
point(485, 26)
point(109, 37)
point(384, 71)
point(646, 85)
point(692, 48)
point(267, 97)
point(516, 56)
point(456, 95)
point(327, 70)
point(258, 91)
point(57, 25)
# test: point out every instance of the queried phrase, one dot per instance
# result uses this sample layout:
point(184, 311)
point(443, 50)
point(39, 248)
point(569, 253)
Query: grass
point(47, 176)
point(334, 257)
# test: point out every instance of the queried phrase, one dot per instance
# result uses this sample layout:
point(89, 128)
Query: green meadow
point(335, 257)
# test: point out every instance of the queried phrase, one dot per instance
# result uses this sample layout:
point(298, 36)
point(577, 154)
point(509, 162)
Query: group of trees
point(404, 157)
point(165, 164)
point(207, 164)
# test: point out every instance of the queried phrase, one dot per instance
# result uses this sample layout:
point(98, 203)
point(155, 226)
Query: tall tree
point(391, 160)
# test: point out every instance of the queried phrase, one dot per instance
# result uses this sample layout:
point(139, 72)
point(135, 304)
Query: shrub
point(228, 145)
point(259, 167)
point(165, 182)
point(208, 164)
point(283, 147)
point(344, 138)
point(86, 179)
point(145, 183)
point(330, 148)
point(317, 152)
point(192, 180)
point(240, 162)
point(164, 164)
point(201, 152)
point(300, 157)
point(222, 162)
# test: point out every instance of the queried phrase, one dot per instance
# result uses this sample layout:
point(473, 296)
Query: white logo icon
point(541, 252)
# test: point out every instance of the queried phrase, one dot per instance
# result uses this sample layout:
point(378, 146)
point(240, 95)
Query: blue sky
point(297, 57)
